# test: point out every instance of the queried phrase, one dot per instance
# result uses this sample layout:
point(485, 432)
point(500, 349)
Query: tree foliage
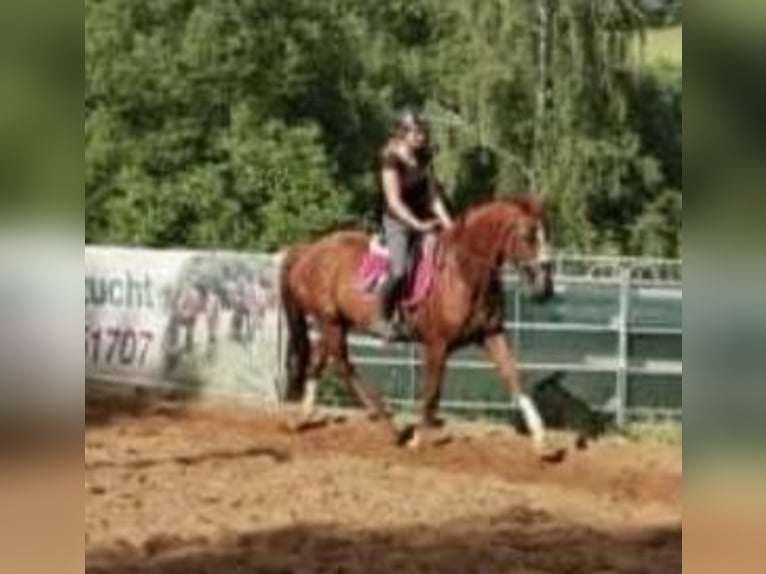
point(255, 123)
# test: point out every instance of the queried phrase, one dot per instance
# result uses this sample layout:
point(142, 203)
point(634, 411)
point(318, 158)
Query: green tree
point(219, 122)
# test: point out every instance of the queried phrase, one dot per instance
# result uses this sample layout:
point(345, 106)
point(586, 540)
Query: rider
point(412, 205)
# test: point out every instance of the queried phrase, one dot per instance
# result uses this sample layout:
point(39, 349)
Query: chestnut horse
point(320, 280)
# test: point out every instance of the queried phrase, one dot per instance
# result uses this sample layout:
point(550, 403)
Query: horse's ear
point(532, 203)
point(537, 204)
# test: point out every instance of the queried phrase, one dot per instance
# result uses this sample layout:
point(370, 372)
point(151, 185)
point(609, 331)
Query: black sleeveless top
point(415, 181)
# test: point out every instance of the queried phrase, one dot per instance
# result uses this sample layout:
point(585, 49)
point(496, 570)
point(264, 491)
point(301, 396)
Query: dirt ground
point(232, 491)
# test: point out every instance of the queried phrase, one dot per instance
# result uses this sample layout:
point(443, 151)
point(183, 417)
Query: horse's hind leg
point(317, 365)
point(308, 417)
point(365, 394)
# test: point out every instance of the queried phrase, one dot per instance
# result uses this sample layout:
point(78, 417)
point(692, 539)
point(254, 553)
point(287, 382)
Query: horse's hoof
point(440, 439)
point(436, 423)
point(405, 436)
point(374, 416)
point(307, 423)
point(415, 441)
point(428, 437)
point(549, 455)
point(339, 419)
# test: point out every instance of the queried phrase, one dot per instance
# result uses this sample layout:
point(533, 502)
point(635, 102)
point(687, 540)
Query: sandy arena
point(222, 490)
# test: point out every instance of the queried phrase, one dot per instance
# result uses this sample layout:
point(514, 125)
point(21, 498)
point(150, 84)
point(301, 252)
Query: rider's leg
point(398, 242)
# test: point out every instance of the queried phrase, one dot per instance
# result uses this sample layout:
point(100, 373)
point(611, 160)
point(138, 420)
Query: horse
point(319, 281)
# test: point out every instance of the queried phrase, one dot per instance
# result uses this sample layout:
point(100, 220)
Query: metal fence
point(612, 336)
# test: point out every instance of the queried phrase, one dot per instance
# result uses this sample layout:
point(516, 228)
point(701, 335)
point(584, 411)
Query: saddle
point(377, 261)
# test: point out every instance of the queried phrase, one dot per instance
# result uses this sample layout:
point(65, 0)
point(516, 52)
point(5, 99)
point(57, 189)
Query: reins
point(486, 262)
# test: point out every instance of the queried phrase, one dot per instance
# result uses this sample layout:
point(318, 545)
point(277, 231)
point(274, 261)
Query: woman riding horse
point(413, 205)
point(319, 281)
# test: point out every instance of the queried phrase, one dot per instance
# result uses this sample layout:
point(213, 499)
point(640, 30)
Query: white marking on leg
point(416, 440)
point(310, 397)
point(533, 419)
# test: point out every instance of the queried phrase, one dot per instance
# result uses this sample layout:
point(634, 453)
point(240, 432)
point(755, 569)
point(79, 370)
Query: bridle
point(507, 234)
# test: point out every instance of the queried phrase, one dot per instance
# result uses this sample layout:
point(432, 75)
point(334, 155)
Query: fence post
point(622, 347)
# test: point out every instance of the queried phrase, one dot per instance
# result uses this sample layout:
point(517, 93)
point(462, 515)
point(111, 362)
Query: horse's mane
point(494, 212)
point(481, 232)
point(527, 203)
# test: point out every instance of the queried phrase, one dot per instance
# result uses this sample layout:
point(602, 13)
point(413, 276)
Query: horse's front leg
point(500, 353)
point(435, 362)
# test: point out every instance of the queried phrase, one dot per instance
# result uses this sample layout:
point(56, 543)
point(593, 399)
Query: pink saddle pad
point(376, 263)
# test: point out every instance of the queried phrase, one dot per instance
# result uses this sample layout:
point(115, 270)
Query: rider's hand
point(429, 225)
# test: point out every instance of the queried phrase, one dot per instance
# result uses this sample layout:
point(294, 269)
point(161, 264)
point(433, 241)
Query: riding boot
point(384, 326)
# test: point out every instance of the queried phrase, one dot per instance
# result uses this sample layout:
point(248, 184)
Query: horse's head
point(527, 248)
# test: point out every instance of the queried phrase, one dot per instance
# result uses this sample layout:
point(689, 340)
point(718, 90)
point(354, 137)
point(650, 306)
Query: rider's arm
point(439, 206)
point(393, 194)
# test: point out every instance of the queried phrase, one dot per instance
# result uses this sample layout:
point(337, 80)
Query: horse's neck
point(477, 246)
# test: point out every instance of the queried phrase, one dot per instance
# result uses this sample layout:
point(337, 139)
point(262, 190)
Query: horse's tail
point(298, 343)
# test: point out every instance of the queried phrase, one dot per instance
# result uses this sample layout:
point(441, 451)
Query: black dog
point(561, 409)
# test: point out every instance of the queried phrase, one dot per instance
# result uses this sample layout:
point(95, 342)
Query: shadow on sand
point(519, 540)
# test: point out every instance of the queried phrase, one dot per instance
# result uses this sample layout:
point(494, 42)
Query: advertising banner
point(204, 322)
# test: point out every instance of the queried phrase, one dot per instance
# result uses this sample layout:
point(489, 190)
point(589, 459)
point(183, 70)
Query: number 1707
point(113, 345)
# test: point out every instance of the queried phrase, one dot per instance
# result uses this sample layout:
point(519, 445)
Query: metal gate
point(612, 336)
